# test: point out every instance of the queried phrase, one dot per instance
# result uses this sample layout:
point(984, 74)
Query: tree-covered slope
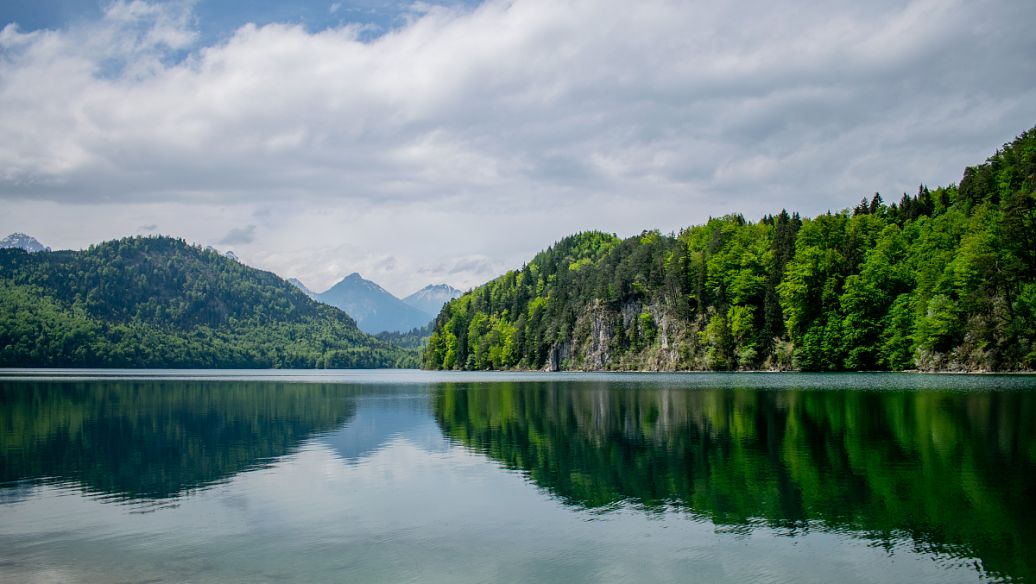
point(943, 280)
point(159, 302)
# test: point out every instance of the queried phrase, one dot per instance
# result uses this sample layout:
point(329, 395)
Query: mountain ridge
point(160, 302)
point(298, 284)
point(375, 309)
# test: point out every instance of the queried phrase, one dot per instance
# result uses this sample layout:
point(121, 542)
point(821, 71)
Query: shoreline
point(10, 371)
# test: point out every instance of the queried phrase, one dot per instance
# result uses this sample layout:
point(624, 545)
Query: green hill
point(160, 302)
point(943, 280)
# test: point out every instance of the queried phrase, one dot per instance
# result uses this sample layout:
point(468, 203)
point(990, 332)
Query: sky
point(427, 142)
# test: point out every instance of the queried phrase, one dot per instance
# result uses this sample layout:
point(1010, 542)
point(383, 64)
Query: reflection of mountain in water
point(155, 439)
point(953, 472)
point(381, 420)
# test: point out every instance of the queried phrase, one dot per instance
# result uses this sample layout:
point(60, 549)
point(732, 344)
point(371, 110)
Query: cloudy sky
point(449, 141)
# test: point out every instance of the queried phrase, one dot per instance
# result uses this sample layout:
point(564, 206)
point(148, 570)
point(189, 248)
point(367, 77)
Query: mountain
point(944, 280)
point(374, 308)
point(298, 284)
point(432, 297)
point(22, 241)
point(160, 302)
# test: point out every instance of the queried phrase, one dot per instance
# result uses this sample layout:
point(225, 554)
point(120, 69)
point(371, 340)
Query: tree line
point(944, 279)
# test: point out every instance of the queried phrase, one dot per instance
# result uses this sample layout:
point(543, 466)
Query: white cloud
point(489, 133)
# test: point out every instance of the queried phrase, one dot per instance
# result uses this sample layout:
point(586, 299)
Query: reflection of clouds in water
point(379, 422)
point(383, 497)
point(16, 492)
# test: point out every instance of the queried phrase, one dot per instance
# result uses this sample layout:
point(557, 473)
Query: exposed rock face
point(666, 356)
point(593, 338)
point(598, 355)
point(559, 356)
point(602, 338)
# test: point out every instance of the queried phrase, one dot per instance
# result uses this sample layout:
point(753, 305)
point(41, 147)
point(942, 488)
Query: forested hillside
point(159, 302)
point(941, 280)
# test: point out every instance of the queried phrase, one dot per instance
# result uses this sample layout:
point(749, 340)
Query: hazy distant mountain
point(431, 298)
point(22, 241)
point(298, 284)
point(372, 307)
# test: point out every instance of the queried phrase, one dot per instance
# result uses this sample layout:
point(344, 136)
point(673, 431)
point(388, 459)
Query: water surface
point(172, 476)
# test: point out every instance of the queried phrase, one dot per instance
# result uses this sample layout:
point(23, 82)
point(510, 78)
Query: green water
point(402, 476)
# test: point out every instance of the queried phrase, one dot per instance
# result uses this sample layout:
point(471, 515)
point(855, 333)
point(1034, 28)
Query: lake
point(408, 476)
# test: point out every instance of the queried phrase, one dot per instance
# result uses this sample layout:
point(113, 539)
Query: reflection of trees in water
point(956, 472)
point(156, 439)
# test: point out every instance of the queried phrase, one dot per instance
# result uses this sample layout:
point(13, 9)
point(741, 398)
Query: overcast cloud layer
point(458, 144)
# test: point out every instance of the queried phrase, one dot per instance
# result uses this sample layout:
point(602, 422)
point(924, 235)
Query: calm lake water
point(405, 476)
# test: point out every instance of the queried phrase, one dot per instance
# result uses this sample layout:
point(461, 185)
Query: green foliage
point(940, 280)
point(411, 343)
point(939, 329)
point(159, 302)
point(718, 342)
point(896, 351)
point(647, 330)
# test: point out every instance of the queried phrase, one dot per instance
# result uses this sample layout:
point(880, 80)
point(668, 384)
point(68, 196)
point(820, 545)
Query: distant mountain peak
point(23, 241)
point(355, 279)
point(298, 284)
point(432, 297)
point(374, 308)
point(443, 287)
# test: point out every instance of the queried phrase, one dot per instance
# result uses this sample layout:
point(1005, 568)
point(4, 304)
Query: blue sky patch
point(216, 20)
